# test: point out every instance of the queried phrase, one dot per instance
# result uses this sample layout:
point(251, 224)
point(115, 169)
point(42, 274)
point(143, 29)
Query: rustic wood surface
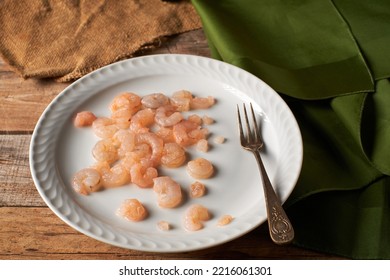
point(30, 230)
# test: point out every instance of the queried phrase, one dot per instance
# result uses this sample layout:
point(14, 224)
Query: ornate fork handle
point(280, 228)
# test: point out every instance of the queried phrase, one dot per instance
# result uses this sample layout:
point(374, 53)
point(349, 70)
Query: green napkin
point(329, 60)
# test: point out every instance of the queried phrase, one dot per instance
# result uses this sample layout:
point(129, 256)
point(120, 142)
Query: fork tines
point(252, 135)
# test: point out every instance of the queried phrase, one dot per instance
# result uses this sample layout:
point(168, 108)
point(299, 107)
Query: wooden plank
point(16, 184)
point(23, 101)
point(36, 233)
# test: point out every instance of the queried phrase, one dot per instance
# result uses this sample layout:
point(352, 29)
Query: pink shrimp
point(219, 139)
point(122, 117)
point(132, 210)
point(195, 119)
point(154, 100)
point(168, 191)
point(181, 99)
point(202, 145)
point(141, 121)
point(105, 150)
point(86, 180)
point(167, 116)
point(114, 176)
point(206, 120)
point(173, 155)
point(140, 154)
point(142, 175)
point(197, 189)
point(224, 220)
point(104, 127)
point(155, 143)
point(200, 168)
point(194, 217)
point(187, 133)
point(202, 102)
point(163, 225)
point(84, 118)
point(165, 133)
point(127, 100)
point(125, 141)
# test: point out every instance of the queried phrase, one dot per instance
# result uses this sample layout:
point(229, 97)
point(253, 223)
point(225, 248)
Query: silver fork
point(280, 228)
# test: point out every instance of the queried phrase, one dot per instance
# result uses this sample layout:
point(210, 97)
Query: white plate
point(58, 150)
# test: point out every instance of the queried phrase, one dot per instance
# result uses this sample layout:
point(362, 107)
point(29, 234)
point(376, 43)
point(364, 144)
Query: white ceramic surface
point(58, 150)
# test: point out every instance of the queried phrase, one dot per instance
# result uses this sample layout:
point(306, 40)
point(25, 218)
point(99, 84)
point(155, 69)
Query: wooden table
point(30, 230)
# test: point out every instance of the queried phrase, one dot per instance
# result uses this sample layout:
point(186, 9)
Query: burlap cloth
point(66, 39)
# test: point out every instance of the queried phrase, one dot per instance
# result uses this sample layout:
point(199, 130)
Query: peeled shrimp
point(132, 148)
point(122, 117)
point(154, 100)
point(140, 154)
point(132, 210)
point(142, 175)
point(84, 118)
point(127, 100)
point(187, 133)
point(173, 155)
point(114, 176)
point(202, 102)
point(202, 145)
point(155, 143)
point(105, 150)
point(224, 220)
point(141, 121)
point(167, 115)
point(197, 189)
point(123, 107)
point(207, 120)
point(165, 133)
point(163, 225)
point(104, 127)
point(194, 216)
point(219, 139)
point(195, 119)
point(181, 99)
point(125, 140)
point(86, 180)
point(168, 192)
point(200, 168)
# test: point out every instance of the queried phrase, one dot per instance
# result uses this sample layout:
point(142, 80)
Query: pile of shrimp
point(141, 135)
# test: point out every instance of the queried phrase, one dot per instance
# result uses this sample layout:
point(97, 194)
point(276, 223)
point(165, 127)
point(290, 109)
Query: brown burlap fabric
point(66, 39)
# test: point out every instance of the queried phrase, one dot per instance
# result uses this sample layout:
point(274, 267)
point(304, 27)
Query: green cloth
point(330, 61)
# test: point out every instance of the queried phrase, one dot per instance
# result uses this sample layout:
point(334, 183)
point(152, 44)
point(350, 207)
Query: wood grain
point(17, 186)
point(36, 233)
point(23, 101)
point(30, 230)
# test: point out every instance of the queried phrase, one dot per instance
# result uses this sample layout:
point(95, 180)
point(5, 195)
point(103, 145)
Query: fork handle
point(280, 227)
